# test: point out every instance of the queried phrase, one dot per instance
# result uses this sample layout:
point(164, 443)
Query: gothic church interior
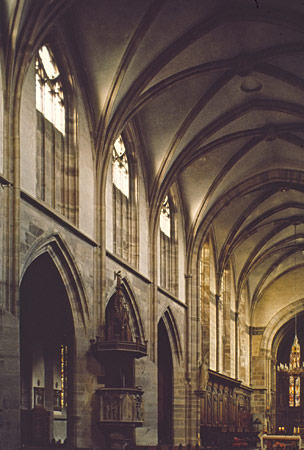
point(152, 224)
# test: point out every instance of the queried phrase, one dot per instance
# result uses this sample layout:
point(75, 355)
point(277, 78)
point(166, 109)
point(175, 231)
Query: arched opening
point(46, 355)
point(290, 388)
point(165, 386)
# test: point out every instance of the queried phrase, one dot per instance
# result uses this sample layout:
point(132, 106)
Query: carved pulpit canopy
point(117, 317)
point(122, 333)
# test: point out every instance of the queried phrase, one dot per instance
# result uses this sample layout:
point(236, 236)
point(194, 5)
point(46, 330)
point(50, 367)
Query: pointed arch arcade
point(55, 246)
point(52, 305)
point(267, 342)
point(169, 361)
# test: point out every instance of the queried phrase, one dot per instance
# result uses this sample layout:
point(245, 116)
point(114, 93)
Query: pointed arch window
point(294, 380)
point(165, 217)
point(208, 304)
point(124, 203)
point(49, 91)
point(168, 247)
point(120, 167)
point(57, 159)
point(63, 375)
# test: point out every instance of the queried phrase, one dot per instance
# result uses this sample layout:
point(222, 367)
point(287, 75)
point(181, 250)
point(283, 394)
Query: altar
point(281, 442)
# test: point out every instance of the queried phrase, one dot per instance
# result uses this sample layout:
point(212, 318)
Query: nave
point(151, 224)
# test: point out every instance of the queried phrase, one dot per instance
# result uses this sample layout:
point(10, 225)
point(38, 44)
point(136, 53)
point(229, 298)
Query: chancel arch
point(269, 342)
point(290, 387)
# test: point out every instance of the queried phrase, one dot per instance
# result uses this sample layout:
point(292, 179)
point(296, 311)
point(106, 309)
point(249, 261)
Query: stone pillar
point(48, 390)
point(236, 345)
point(188, 369)
point(9, 382)
point(258, 378)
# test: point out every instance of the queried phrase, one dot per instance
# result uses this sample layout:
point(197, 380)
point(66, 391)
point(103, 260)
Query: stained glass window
point(49, 92)
point(63, 374)
point(291, 391)
point(297, 391)
point(294, 381)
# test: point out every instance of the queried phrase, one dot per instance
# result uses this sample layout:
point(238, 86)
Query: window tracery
point(120, 167)
point(168, 247)
point(49, 91)
point(56, 157)
point(124, 203)
point(165, 217)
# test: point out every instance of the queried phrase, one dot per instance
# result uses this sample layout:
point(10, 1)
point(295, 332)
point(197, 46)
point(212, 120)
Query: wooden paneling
point(224, 410)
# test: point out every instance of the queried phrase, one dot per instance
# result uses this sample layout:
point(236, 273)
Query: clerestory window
point(120, 167)
point(124, 203)
point(168, 247)
point(56, 162)
point(208, 307)
point(165, 218)
point(49, 91)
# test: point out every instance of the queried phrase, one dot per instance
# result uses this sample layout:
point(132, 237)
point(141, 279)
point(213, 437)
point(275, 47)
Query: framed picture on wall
point(38, 397)
point(57, 400)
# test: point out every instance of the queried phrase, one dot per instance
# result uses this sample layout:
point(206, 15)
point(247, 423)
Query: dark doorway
point(165, 386)
point(46, 354)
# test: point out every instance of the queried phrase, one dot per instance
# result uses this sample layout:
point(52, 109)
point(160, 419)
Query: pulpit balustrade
point(121, 405)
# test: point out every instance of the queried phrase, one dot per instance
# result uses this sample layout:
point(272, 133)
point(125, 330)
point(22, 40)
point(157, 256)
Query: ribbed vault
point(217, 104)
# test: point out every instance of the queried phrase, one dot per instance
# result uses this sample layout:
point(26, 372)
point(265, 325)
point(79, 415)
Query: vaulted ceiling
point(215, 90)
